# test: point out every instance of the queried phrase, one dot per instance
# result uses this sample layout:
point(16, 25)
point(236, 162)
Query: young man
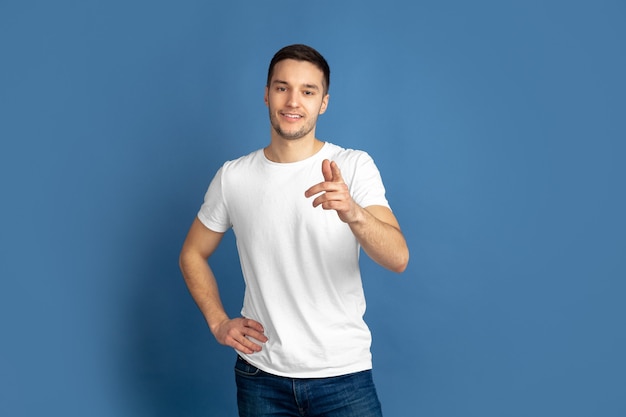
point(300, 209)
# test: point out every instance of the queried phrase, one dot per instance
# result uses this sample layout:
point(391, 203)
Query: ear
point(266, 97)
point(324, 105)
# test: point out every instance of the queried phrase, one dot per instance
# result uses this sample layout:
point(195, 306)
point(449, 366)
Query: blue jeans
point(262, 394)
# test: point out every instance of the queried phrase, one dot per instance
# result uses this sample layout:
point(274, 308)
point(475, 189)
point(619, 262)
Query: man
point(300, 209)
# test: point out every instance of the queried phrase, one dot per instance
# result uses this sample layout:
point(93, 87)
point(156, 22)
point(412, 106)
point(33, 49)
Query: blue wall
point(499, 130)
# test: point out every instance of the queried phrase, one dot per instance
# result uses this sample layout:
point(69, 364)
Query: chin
point(289, 135)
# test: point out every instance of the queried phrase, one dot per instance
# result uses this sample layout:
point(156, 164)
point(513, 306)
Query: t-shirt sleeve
point(214, 212)
point(367, 187)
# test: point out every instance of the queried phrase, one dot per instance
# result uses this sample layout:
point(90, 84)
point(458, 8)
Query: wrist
point(358, 217)
point(216, 323)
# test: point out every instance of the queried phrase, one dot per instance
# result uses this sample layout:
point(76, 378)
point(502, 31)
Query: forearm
point(203, 288)
point(381, 241)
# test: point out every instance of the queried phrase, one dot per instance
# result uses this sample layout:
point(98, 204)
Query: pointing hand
point(334, 193)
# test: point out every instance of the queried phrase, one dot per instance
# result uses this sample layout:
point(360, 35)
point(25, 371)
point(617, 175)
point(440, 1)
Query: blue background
point(499, 129)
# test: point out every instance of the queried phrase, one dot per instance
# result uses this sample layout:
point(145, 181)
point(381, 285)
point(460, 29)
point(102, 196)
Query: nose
point(292, 99)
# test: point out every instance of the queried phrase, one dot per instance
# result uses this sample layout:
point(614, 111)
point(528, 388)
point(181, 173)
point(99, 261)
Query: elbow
point(400, 268)
point(185, 260)
point(182, 262)
point(401, 262)
point(182, 257)
point(395, 260)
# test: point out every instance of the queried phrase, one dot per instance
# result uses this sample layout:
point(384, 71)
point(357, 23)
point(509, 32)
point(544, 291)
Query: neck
point(292, 150)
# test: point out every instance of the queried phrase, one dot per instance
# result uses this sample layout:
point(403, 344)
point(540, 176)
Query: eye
point(281, 89)
point(308, 93)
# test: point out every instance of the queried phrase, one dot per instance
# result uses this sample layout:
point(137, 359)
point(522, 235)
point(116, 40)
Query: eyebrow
point(309, 86)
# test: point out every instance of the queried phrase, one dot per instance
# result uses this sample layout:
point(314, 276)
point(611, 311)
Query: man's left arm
point(375, 227)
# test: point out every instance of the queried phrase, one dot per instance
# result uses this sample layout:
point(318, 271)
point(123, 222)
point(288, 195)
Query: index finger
point(253, 325)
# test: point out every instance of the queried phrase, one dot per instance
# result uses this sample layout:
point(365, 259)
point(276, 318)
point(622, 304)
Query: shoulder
point(347, 155)
point(244, 162)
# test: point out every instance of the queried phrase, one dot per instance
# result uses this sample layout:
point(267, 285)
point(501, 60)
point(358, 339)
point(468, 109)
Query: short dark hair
point(301, 52)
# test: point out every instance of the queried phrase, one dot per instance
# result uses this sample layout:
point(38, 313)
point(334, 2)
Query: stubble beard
point(298, 134)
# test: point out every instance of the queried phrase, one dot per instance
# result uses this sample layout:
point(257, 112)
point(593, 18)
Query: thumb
point(327, 170)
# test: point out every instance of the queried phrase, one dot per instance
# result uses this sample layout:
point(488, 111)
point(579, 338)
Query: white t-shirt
point(300, 263)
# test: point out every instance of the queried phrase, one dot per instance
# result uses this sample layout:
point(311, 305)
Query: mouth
point(291, 116)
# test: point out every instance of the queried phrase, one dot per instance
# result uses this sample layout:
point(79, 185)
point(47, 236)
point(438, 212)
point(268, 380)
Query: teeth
point(293, 116)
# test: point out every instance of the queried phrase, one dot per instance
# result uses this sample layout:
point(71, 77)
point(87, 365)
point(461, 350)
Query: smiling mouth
point(291, 116)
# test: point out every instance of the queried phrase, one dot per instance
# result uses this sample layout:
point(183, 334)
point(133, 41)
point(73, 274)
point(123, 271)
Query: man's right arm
point(237, 333)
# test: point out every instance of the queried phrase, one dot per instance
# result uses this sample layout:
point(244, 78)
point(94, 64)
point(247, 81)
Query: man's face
point(295, 98)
